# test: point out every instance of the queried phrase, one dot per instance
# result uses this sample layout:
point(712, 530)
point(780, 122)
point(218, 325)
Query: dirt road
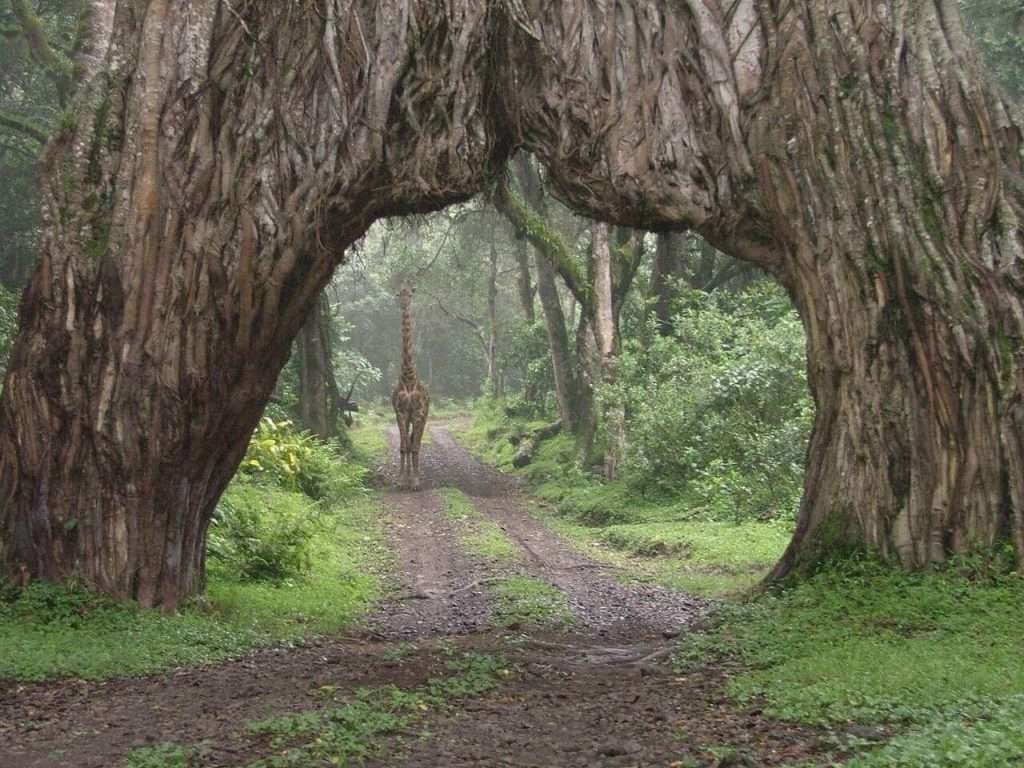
point(595, 688)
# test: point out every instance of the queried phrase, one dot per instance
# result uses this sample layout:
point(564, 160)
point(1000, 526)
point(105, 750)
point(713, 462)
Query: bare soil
point(600, 693)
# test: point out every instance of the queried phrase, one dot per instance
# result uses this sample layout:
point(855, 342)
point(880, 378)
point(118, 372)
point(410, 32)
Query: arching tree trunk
point(220, 157)
point(217, 164)
point(861, 159)
point(904, 257)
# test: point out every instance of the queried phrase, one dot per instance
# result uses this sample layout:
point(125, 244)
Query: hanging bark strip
point(221, 156)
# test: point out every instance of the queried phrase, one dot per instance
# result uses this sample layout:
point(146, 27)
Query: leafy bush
point(720, 412)
point(262, 533)
point(280, 454)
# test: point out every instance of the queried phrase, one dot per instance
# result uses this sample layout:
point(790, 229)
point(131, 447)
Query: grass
point(652, 536)
point(525, 600)
point(477, 533)
point(369, 440)
point(340, 587)
point(48, 631)
point(165, 755)
point(936, 656)
point(519, 599)
point(353, 731)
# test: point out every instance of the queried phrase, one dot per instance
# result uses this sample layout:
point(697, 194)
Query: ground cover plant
point(293, 551)
point(477, 534)
point(930, 660)
point(660, 536)
point(352, 731)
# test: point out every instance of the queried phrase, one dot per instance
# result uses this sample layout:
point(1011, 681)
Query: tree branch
point(529, 224)
point(477, 328)
point(56, 66)
point(24, 126)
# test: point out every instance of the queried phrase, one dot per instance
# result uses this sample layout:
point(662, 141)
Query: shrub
point(280, 454)
point(720, 412)
point(262, 533)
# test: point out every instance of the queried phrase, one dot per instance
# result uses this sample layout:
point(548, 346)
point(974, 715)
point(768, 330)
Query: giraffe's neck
point(408, 365)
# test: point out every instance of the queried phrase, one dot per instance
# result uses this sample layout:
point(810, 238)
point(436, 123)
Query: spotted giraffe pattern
point(411, 402)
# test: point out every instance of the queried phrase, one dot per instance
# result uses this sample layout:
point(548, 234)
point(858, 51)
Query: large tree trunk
point(904, 257)
point(219, 161)
point(220, 158)
point(859, 157)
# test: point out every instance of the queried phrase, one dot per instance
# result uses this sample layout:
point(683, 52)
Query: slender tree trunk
point(493, 374)
point(664, 269)
point(606, 333)
point(566, 385)
point(524, 282)
point(314, 369)
point(586, 414)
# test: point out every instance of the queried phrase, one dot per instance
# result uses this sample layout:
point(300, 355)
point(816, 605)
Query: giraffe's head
point(405, 296)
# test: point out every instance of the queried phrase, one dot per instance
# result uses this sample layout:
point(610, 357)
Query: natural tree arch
point(223, 155)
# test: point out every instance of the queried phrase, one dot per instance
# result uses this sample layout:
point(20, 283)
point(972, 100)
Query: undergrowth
point(657, 534)
point(477, 533)
point(524, 600)
point(294, 547)
point(353, 731)
point(934, 656)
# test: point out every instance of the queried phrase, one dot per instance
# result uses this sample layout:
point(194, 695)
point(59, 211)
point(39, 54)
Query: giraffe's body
point(411, 403)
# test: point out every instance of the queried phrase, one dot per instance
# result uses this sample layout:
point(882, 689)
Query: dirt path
point(599, 694)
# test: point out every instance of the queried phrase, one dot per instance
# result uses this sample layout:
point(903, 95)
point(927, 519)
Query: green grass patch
point(711, 543)
point(477, 533)
point(339, 588)
point(48, 631)
point(353, 731)
point(526, 600)
point(987, 736)
point(935, 654)
point(369, 439)
point(651, 535)
point(159, 756)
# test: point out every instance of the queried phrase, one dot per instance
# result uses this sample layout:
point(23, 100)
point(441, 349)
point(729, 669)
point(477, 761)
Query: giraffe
point(411, 402)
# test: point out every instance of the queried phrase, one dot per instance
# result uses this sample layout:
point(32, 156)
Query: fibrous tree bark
point(216, 167)
point(853, 150)
point(222, 156)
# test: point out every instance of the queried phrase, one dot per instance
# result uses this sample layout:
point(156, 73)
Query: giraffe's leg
point(403, 447)
point(417, 437)
point(408, 451)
